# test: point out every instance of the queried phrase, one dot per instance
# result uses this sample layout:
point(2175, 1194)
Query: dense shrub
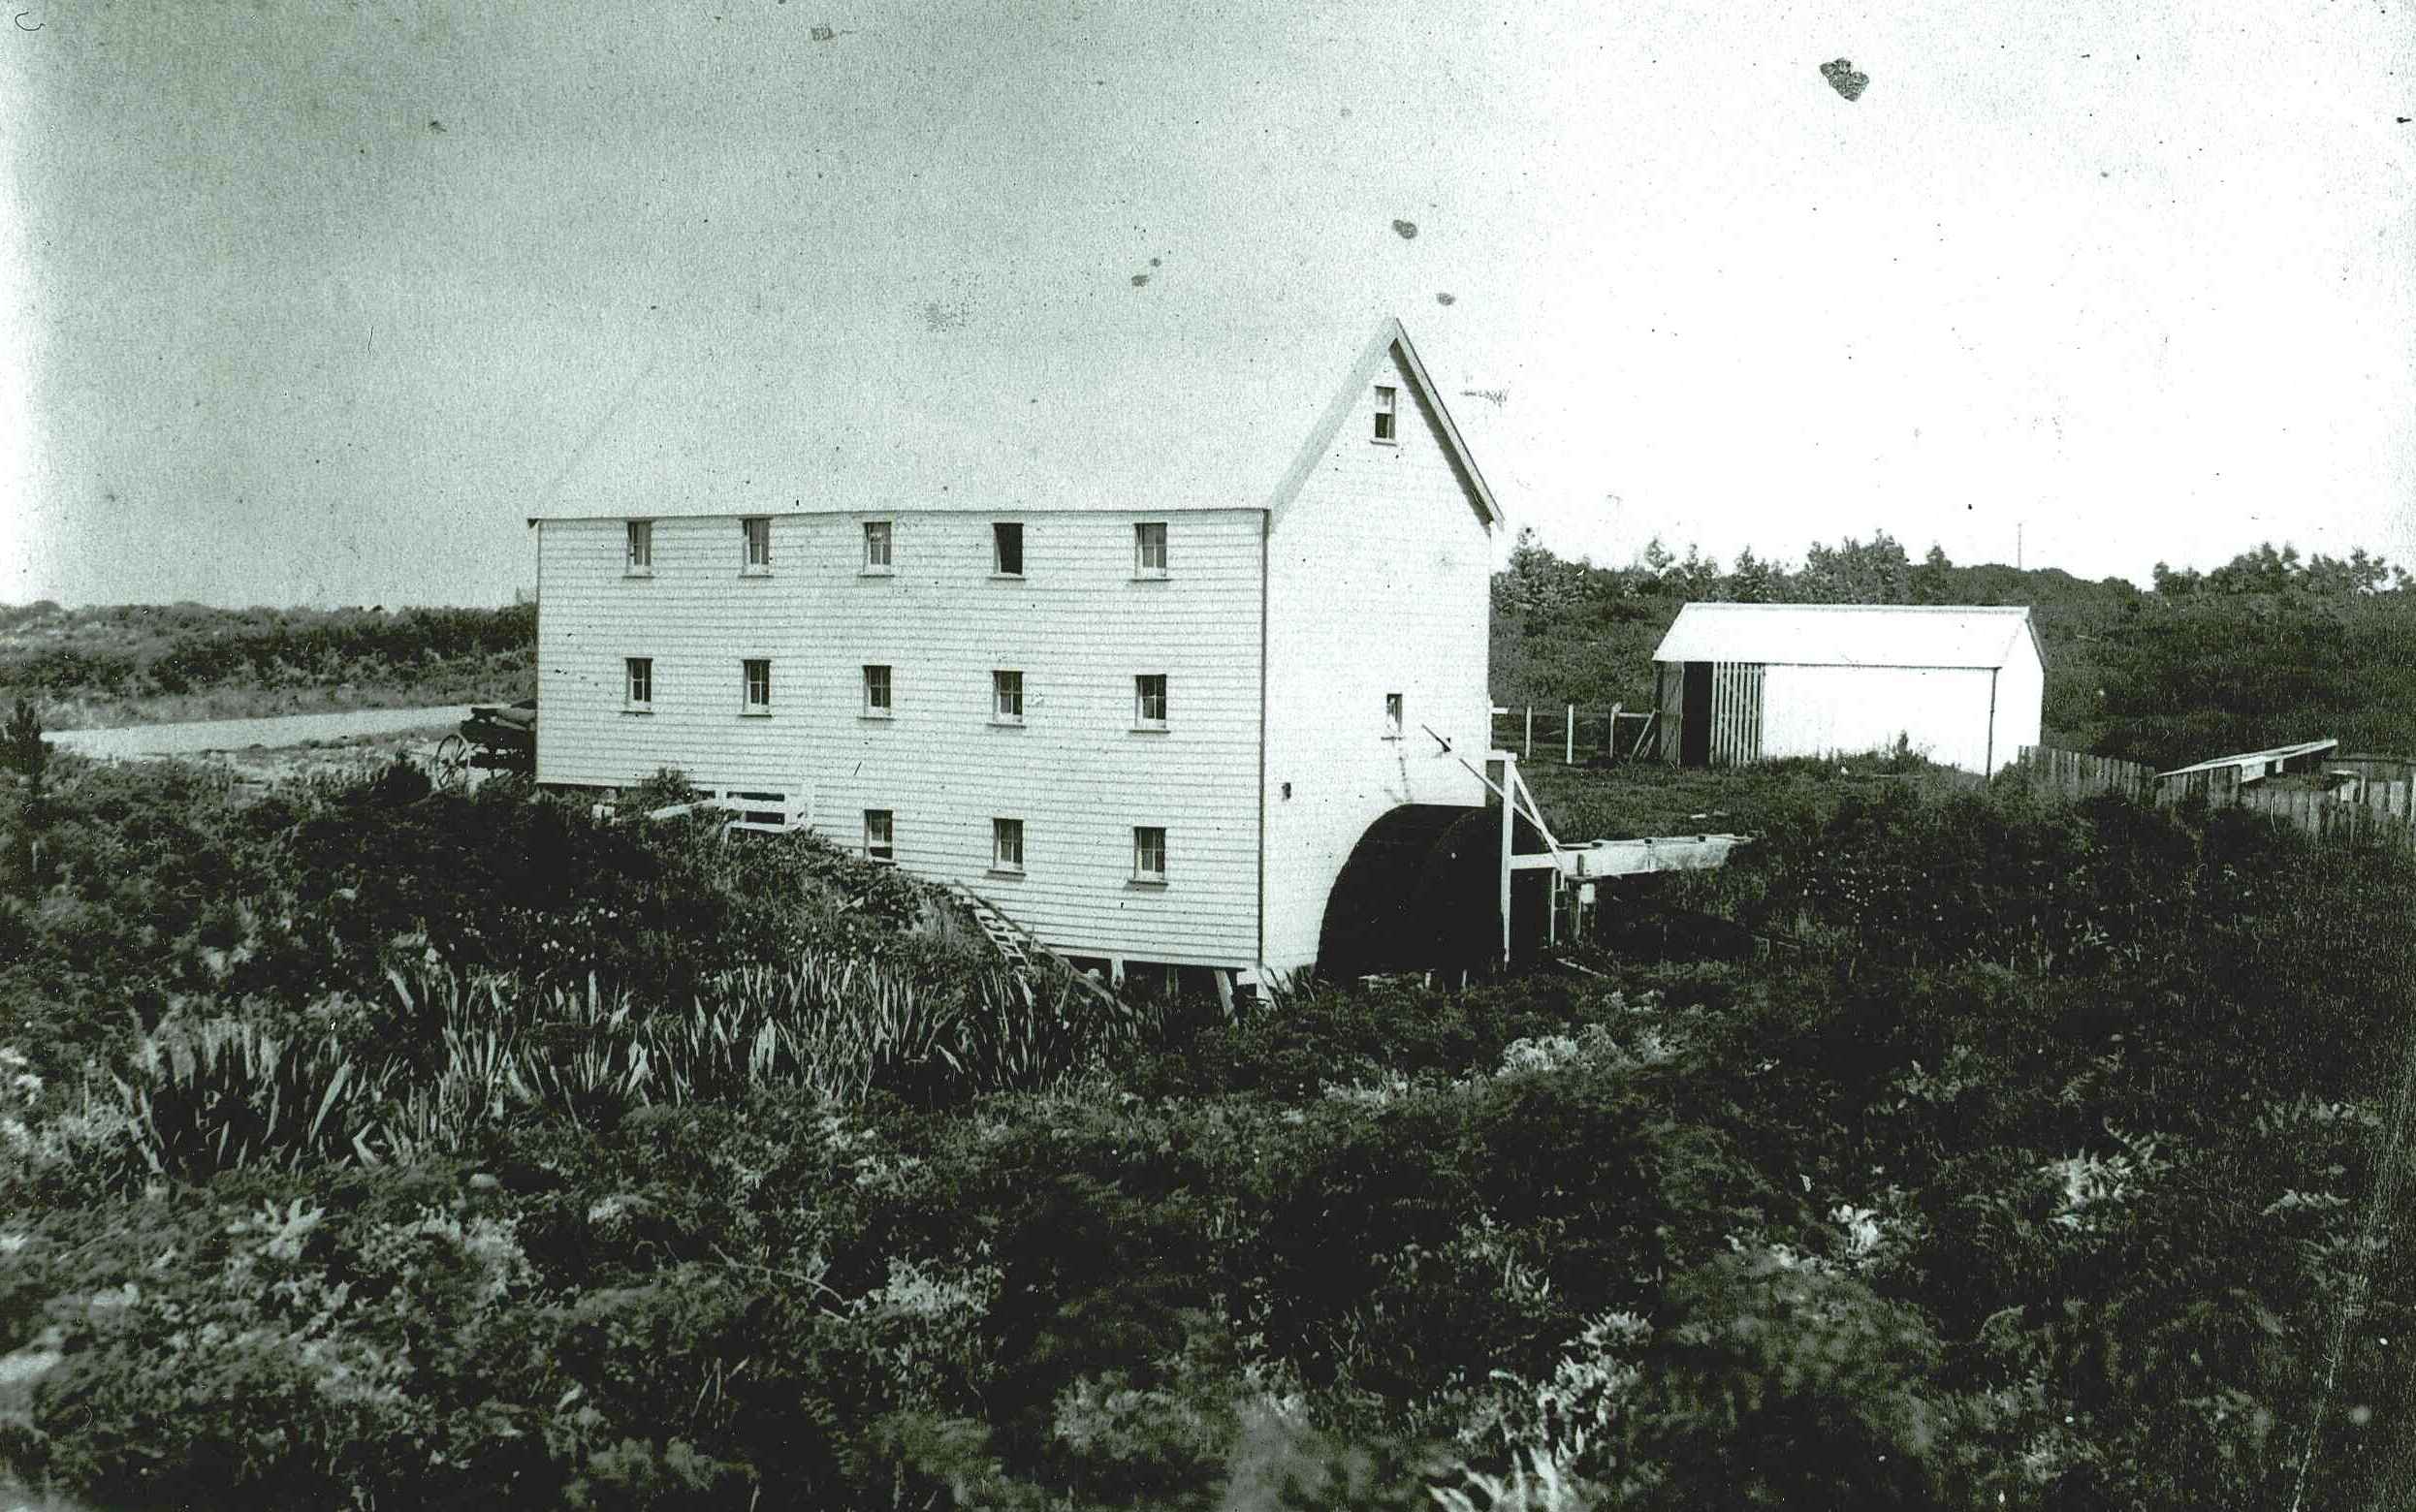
point(2059, 1161)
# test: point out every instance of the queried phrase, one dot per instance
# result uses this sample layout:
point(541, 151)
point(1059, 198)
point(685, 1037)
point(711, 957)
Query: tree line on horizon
point(105, 662)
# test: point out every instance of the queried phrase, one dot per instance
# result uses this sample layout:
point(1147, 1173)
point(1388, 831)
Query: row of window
point(1007, 548)
point(1007, 845)
point(1007, 693)
point(1006, 536)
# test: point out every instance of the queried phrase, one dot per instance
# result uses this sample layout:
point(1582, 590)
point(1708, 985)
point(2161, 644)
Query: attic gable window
point(640, 558)
point(757, 530)
point(1006, 549)
point(876, 549)
point(1392, 716)
point(1388, 406)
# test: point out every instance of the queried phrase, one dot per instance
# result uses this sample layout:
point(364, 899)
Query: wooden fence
point(1577, 735)
point(2353, 809)
point(2078, 774)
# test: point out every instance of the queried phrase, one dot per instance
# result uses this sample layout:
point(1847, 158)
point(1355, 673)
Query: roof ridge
point(1893, 609)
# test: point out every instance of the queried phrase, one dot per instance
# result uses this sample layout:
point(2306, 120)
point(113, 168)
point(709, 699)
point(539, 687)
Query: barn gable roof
point(1850, 634)
point(1122, 413)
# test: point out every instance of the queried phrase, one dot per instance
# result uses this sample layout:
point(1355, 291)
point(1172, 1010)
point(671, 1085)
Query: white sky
point(314, 303)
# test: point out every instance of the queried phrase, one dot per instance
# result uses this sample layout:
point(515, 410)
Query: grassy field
point(1630, 799)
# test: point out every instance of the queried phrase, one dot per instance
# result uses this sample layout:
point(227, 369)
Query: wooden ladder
point(1013, 945)
point(1017, 946)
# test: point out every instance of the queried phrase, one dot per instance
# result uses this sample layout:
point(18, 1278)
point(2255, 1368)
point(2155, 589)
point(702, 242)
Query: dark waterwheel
point(1421, 893)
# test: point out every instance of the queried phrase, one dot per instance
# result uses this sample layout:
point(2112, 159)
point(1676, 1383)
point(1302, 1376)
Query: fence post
point(1529, 753)
point(1568, 739)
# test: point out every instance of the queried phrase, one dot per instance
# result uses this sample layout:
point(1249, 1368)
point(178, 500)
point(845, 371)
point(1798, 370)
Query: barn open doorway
point(1695, 716)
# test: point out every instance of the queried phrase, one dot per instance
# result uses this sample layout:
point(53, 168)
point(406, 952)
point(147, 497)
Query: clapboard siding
point(1078, 624)
point(1378, 582)
point(697, 617)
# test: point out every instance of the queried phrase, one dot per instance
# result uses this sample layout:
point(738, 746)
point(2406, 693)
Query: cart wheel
point(453, 760)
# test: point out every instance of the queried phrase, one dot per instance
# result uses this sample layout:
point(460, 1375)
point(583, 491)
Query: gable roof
point(2257, 759)
point(1130, 415)
point(1850, 634)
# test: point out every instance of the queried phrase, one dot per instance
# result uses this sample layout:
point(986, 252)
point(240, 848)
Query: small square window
point(1149, 700)
point(639, 689)
point(641, 561)
point(876, 693)
point(1007, 845)
point(1387, 404)
point(1149, 855)
point(757, 672)
point(876, 558)
point(1006, 697)
point(880, 834)
point(1149, 551)
point(1006, 543)
point(758, 534)
point(1392, 716)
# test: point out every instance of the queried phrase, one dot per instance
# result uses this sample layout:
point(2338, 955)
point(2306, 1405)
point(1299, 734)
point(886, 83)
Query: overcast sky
point(312, 304)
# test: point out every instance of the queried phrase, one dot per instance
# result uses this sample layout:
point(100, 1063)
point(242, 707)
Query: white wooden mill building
point(1137, 650)
point(1741, 682)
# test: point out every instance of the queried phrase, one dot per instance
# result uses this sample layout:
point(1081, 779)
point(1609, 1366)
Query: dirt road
point(205, 737)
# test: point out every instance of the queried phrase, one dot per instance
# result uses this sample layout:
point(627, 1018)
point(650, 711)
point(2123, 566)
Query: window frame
point(755, 530)
point(634, 671)
point(887, 708)
point(1388, 415)
point(1143, 571)
point(1396, 715)
point(1003, 829)
point(748, 703)
point(1142, 875)
point(887, 852)
point(1000, 686)
point(1142, 720)
point(1001, 531)
point(638, 551)
point(885, 531)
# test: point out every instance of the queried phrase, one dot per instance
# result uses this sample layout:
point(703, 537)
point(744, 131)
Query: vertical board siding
point(1078, 625)
point(1378, 582)
point(1736, 714)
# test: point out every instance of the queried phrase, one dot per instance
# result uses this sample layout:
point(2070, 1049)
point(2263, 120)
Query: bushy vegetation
point(136, 662)
point(372, 1146)
point(2262, 651)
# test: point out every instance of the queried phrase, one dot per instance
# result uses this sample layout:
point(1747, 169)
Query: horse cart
point(494, 738)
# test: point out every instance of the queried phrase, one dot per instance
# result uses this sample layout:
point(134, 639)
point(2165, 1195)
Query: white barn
point(1742, 682)
point(1138, 658)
